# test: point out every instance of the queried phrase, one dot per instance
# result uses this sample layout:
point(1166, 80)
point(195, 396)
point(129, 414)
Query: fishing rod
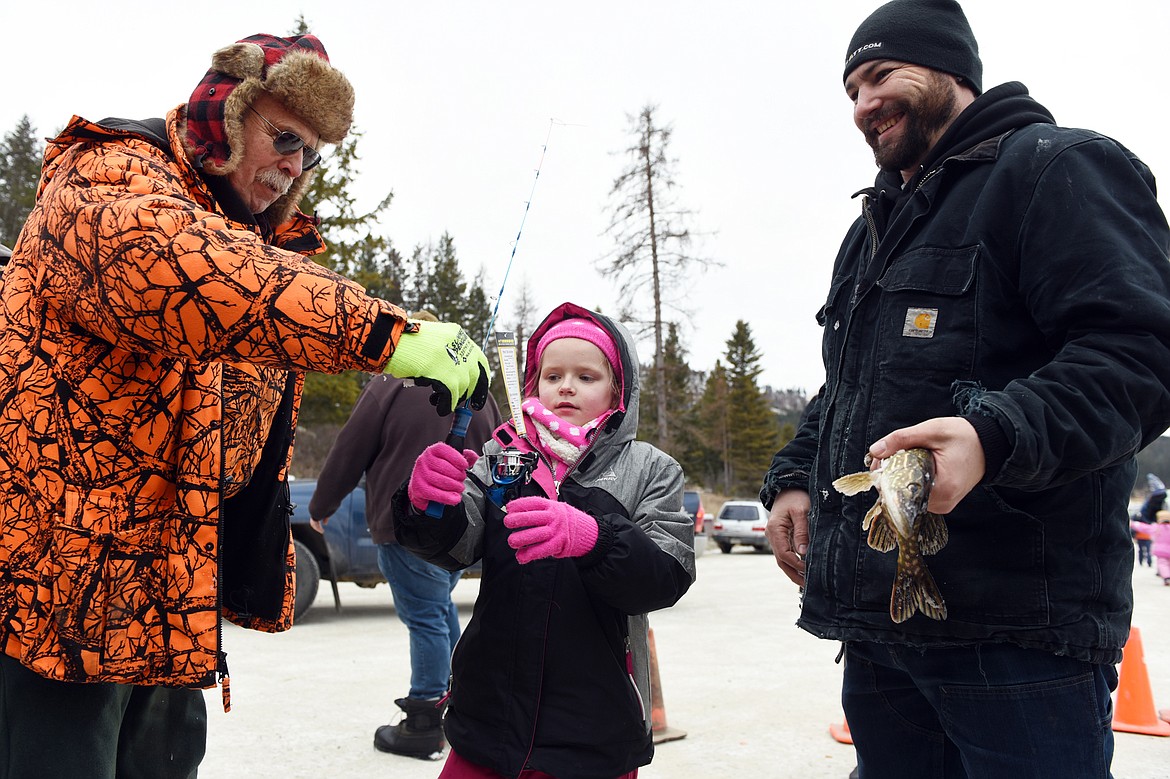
point(463, 412)
point(515, 244)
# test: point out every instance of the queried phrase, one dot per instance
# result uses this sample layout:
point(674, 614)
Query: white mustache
point(275, 179)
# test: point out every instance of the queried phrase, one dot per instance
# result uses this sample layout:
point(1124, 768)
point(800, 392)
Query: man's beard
point(924, 121)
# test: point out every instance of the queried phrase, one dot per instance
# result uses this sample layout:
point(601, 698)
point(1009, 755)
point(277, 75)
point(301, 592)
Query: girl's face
point(576, 381)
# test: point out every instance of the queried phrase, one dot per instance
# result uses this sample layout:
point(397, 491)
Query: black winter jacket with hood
point(552, 672)
point(1020, 281)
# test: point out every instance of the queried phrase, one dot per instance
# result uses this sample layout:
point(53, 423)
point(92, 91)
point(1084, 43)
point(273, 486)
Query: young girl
point(1161, 535)
point(551, 677)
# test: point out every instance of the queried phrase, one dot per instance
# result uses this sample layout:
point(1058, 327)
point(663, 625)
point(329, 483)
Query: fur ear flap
point(239, 60)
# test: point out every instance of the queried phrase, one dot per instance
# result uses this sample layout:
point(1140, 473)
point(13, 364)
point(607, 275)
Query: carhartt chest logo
point(609, 475)
point(920, 322)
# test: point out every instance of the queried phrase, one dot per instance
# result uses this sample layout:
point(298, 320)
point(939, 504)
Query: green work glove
point(442, 356)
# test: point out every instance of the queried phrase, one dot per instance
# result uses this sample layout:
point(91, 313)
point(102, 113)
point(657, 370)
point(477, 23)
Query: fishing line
point(462, 413)
point(515, 244)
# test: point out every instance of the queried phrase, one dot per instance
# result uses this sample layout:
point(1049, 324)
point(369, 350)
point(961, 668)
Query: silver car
point(741, 522)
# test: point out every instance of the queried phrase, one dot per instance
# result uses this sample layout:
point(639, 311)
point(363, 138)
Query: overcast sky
point(456, 100)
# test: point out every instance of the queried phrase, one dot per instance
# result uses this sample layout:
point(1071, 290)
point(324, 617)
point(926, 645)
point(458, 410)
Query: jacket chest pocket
point(927, 334)
point(928, 312)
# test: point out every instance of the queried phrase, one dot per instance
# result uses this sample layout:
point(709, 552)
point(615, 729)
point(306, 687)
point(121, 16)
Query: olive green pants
point(62, 730)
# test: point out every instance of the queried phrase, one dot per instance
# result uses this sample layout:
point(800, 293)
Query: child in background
point(1144, 538)
point(1161, 533)
point(551, 676)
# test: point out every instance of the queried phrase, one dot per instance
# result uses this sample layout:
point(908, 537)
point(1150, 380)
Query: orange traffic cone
point(660, 730)
point(841, 732)
point(1134, 712)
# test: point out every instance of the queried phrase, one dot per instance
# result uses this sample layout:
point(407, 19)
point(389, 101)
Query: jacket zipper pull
point(633, 681)
point(225, 682)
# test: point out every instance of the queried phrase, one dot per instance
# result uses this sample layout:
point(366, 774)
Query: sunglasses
point(287, 143)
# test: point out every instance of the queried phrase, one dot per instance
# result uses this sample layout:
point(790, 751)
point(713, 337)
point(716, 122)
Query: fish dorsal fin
point(881, 531)
point(854, 483)
point(932, 533)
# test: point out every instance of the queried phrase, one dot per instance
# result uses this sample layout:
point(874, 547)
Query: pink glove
point(550, 529)
point(438, 475)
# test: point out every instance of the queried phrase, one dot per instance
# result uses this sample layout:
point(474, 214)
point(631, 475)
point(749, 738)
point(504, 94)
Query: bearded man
point(1003, 302)
point(156, 322)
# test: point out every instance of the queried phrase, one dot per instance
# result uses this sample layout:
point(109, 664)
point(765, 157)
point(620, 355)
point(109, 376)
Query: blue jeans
point(422, 598)
point(992, 710)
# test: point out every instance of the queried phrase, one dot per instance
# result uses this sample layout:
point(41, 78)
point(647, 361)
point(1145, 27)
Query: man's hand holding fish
point(958, 457)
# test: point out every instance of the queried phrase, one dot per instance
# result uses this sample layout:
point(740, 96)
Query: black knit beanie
point(933, 33)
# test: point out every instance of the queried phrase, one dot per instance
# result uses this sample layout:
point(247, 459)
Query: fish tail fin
point(854, 483)
point(915, 590)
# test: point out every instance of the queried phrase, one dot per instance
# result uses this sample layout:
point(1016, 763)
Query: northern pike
point(899, 518)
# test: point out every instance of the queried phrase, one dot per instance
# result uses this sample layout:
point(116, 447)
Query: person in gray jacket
point(1002, 301)
point(552, 672)
point(389, 427)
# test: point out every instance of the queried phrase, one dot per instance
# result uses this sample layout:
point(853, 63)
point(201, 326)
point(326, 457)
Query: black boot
point(419, 734)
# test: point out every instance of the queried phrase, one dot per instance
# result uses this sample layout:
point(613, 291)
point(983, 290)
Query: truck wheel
point(724, 547)
point(308, 579)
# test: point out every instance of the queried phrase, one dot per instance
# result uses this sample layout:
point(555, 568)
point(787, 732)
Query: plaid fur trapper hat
point(295, 71)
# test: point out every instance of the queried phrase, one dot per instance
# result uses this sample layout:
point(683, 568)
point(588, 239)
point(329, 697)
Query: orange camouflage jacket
point(130, 294)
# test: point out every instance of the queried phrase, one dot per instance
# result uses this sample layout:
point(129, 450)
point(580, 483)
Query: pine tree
point(352, 242)
point(357, 251)
point(439, 286)
point(379, 269)
point(709, 459)
point(679, 397)
point(754, 430)
point(446, 290)
point(20, 169)
point(478, 311)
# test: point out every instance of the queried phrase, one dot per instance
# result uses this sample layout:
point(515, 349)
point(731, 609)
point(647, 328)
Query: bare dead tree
point(525, 312)
point(652, 241)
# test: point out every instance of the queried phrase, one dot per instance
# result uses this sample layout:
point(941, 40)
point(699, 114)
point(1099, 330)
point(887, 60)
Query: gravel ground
point(754, 695)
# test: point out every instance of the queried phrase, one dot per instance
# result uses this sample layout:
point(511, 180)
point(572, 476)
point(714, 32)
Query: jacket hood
point(1000, 110)
point(1006, 107)
point(625, 423)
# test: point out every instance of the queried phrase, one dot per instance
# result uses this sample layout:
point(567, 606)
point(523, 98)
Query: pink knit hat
point(586, 330)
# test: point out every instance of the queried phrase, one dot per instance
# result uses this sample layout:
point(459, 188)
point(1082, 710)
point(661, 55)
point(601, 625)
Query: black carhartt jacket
point(1021, 281)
